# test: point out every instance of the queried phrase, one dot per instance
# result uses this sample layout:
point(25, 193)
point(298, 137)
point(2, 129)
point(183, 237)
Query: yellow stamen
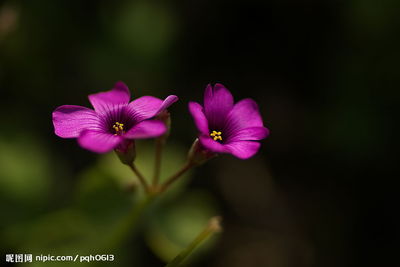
point(118, 127)
point(216, 135)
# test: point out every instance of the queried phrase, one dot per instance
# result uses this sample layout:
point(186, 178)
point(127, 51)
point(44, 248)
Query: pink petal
point(99, 142)
point(212, 145)
point(69, 121)
point(218, 101)
point(245, 114)
point(167, 103)
point(243, 149)
point(199, 118)
point(248, 134)
point(145, 107)
point(146, 129)
point(104, 101)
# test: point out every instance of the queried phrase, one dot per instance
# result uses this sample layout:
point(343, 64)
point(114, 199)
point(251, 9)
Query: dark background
point(321, 191)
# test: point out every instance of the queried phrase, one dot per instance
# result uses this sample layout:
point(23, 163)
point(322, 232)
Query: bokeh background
point(321, 192)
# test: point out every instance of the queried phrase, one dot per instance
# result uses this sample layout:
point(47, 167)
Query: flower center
point(119, 128)
point(216, 135)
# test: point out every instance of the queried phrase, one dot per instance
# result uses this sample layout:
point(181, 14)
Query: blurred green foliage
point(103, 198)
point(24, 162)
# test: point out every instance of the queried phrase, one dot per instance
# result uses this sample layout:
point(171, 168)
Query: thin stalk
point(212, 228)
point(175, 177)
point(157, 160)
point(140, 176)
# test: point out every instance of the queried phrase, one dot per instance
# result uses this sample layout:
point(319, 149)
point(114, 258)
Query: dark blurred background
point(321, 191)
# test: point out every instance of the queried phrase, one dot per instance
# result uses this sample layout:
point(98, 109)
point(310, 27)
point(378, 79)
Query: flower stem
point(157, 160)
point(212, 228)
point(174, 177)
point(140, 176)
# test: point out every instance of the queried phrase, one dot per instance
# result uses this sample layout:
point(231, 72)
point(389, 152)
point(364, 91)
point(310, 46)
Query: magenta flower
point(114, 121)
point(226, 127)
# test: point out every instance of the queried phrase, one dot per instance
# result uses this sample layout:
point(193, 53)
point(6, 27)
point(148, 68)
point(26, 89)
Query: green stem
point(212, 227)
point(140, 176)
point(175, 177)
point(157, 160)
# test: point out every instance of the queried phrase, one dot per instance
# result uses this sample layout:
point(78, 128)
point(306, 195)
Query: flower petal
point(167, 102)
point(212, 145)
point(199, 118)
point(248, 134)
point(98, 141)
point(243, 149)
point(69, 120)
point(245, 114)
point(146, 129)
point(103, 101)
point(146, 107)
point(218, 101)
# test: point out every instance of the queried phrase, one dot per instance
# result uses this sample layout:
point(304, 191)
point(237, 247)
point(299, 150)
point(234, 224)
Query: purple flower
point(226, 127)
point(113, 122)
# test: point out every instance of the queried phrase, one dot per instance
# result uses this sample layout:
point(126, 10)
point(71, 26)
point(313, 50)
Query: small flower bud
point(214, 224)
point(198, 155)
point(126, 152)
